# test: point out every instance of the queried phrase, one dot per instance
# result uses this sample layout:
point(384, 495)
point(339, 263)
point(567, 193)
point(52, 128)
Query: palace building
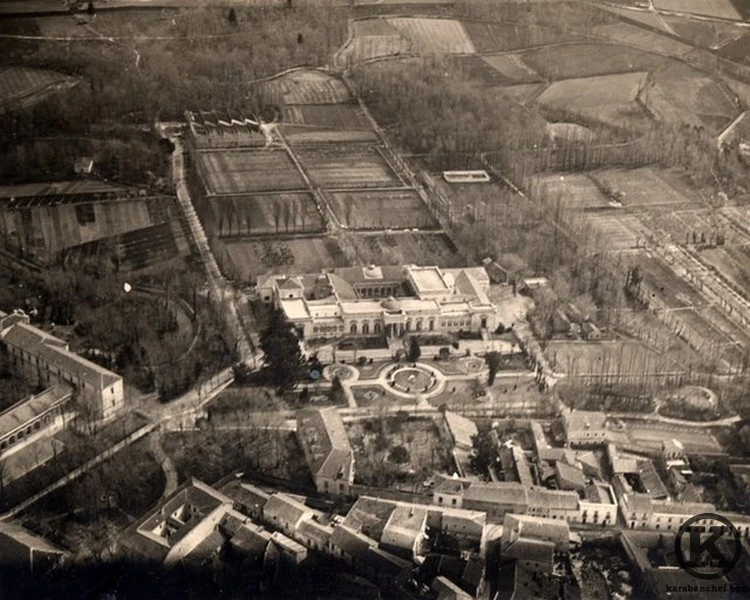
point(383, 300)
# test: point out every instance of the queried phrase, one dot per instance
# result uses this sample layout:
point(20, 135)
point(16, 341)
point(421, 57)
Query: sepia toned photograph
point(374, 299)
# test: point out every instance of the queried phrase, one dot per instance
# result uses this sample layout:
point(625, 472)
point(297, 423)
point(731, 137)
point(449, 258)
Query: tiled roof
point(284, 508)
point(353, 543)
point(405, 525)
point(20, 535)
point(582, 420)
point(500, 493)
point(53, 352)
point(535, 527)
point(322, 432)
point(315, 531)
point(22, 412)
point(461, 428)
point(532, 550)
point(251, 540)
point(598, 493)
point(552, 499)
point(682, 508)
point(569, 475)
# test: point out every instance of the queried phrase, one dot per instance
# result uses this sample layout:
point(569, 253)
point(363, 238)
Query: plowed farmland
point(233, 172)
point(434, 36)
point(305, 86)
point(381, 210)
point(474, 67)
point(250, 260)
point(586, 60)
point(347, 167)
point(406, 248)
point(632, 35)
point(326, 123)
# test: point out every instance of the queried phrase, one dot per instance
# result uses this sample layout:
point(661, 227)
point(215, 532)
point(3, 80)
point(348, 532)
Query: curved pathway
point(170, 473)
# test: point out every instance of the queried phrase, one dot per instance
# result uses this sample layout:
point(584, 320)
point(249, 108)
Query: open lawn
point(722, 9)
point(270, 213)
point(587, 60)
point(249, 260)
point(381, 209)
point(606, 98)
point(374, 38)
point(347, 166)
point(237, 172)
point(406, 248)
point(679, 94)
point(305, 86)
point(647, 188)
point(22, 86)
point(434, 36)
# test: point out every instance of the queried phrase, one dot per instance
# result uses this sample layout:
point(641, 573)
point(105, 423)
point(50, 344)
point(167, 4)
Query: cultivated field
point(234, 172)
point(587, 60)
point(511, 67)
point(605, 98)
point(523, 92)
point(680, 94)
point(722, 9)
point(641, 16)
point(21, 86)
point(498, 37)
point(305, 86)
point(738, 49)
point(250, 260)
point(474, 67)
point(406, 248)
point(270, 213)
point(347, 166)
point(434, 36)
point(705, 33)
point(632, 35)
point(381, 209)
point(326, 123)
point(373, 38)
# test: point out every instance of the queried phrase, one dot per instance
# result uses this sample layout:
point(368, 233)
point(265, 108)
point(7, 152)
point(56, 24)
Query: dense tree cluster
point(283, 358)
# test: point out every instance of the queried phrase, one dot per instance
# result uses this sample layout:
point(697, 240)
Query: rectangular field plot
point(711, 8)
point(271, 213)
point(237, 172)
point(604, 98)
point(578, 191)
point(498, 37)
point(305, 86)
point(511, 67)
point(250, 260)
point(381, 210)
point(673, 290)
point(347, 167)
point(406, 248)
point(705, 33)
point(646, 188)
point(619, 232)
point(434, 36)
point(326, 123)
point(733, 262)
point(587, 60)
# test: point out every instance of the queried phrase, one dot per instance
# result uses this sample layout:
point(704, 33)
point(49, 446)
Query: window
point(85, 214)
point(353, 327)
point(365, 328)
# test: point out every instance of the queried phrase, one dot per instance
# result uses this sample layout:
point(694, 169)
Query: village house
point(285, 513)
point(585, 428)
point(46, 360)
point(405, 531)
point(383, 300)
point(329, 455)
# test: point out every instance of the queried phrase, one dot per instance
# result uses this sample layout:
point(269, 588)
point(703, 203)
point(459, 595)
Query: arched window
point(432, 324)
point(378, 328)
point(353, 327)
point(419, 325)
point(408, 324)
point(365, 328)
point(37, 425)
